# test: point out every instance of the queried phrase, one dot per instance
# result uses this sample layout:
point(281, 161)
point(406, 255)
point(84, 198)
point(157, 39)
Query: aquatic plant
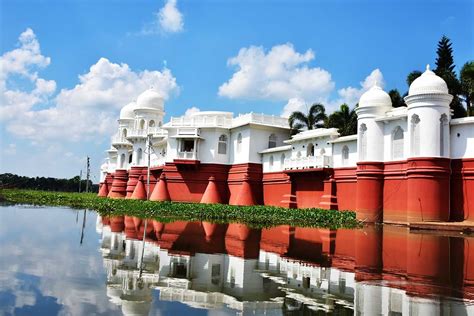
point(255, 216)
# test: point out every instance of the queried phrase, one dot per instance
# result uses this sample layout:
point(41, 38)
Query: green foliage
point(315, 118)
point(255, 216)
point(467, 85)
point(9, 180)
point(412, 76)
point(397, 100)
point(344, 119)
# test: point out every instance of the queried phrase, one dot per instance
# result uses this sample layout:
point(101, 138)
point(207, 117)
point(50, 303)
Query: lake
point(59, 261)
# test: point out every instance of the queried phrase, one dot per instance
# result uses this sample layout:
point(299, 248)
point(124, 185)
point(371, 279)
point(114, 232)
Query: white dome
point(150, 99)
point(428, 82)
point(127, 111)
point(375, 97)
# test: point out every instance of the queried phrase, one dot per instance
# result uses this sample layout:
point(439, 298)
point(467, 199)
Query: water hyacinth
point(255, 216)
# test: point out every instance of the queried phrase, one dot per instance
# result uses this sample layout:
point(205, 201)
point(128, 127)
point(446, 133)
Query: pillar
point(428, 189)
point(140, 192)
point(369, 197)
point(119, 185)
point(160, 192)
point(211, 195)
point(329, 198)
point(104, 191)
point(133, 177)
point(245, 196)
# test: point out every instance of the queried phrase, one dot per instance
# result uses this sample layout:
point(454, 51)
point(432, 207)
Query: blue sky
point(295, 52)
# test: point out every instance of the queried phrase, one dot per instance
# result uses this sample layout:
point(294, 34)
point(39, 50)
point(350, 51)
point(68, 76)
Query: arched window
point(310, 150)
point(222, 145)
point(239, 143)
point(124, 132)
point(397, 143)
point(298, 155)
point(139, 156)
point(322, 152)
point(130, 157)
point(363, 142)
point(151, 123)
point(415, 135)
point(272, 141)
point(159, 124)
point(142, 124)
point(271, 162)
point(345, 155)
point(282, 160)
point(443, 125)
point(122, 161)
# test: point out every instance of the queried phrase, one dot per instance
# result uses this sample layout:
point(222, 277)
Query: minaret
point(428, 168)
point(369, 199)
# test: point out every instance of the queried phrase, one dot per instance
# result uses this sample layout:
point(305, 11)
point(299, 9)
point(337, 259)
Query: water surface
point(58, 261)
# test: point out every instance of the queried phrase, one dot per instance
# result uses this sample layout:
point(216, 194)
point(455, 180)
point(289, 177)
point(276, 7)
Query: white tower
point(373, 103)
point(428, 116)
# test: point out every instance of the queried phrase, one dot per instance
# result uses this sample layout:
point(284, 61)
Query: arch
point(124, 133)
point(443, 133)
point(239, 142)
point(151, 123)
point(282, 160)
point(222, 145)
point(271, 162)
point(142, 124)
point(345, 155)
point(139, 156)
point(272, 141)
point(130, 158)
point(298, 155)
point(310, 150)
point(160, 124)
point(322, 152)
point(397, 143)
point(122, 161)
point(415, 135)
point(363, 142)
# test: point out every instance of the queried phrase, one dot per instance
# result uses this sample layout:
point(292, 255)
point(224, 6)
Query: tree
point(344, 119)
point(397, 100)
point(467, 85)
point(445, 69)
point(315, 118)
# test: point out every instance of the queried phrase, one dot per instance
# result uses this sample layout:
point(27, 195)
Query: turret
point(428, 116)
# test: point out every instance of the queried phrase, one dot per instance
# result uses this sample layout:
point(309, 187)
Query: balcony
point(310, 162)
point(119, 140)
point(187, 158)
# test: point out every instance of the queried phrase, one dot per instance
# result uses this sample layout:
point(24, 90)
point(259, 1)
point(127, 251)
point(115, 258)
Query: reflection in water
point(287, 269)
point(205, 268)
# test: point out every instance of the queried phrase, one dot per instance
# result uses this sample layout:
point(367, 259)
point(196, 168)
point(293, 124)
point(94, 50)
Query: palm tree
point(315, 118)
point(344, 119)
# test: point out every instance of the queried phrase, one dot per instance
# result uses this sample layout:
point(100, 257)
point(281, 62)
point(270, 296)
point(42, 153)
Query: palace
point(404, 165)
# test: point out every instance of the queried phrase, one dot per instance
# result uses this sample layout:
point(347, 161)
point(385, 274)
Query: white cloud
point(279, 74)
point(351, 95)
point(191, 111)
point(294, 104)
point(171, 20)
point(167, 20)
point(88, 109)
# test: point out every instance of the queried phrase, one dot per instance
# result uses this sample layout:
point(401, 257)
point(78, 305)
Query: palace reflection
point(287, 270)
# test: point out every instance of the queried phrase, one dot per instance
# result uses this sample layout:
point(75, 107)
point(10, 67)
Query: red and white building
point(406, 164)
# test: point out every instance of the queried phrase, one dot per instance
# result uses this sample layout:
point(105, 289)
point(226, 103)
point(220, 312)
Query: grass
point(255, 216)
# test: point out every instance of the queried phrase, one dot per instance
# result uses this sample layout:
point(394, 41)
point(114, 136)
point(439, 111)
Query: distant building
point(404, 164)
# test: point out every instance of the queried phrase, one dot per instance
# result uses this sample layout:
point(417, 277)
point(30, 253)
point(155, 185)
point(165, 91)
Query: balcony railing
point(187, 155)
point(119, 139)
point(227, 122)
point(202, 121)
point(308, 162)
point(155, 131)
point(260, 119)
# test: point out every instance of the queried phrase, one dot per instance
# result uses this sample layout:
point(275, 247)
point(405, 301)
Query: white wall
point(389, 127)
point(337, 154)
point(462, 146)
point(277, 163)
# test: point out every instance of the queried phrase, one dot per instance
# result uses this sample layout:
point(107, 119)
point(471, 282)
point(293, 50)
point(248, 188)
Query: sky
point(68, 67)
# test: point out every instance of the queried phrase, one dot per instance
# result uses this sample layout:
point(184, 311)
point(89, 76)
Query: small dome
point(127, 111)
point(150, 99)
point(428, 82)
point(375, 96)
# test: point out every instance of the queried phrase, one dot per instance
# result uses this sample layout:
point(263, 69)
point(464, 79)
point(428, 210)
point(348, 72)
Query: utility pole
point(88, 174)
point(80, 179)
point(147, 198)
